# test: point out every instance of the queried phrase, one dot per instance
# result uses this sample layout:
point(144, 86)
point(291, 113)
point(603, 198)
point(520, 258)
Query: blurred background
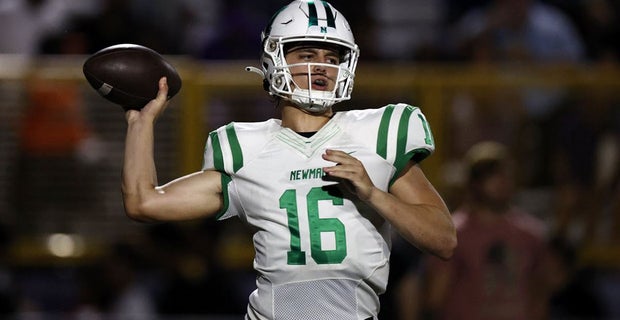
point(540, 77)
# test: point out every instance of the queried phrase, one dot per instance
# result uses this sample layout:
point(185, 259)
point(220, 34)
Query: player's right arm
point(193, 196)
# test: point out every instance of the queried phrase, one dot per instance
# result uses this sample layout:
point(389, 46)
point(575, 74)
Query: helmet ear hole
point(271, 46)
point(278, 81)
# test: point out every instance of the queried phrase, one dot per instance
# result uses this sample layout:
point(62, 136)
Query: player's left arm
point(412, 205)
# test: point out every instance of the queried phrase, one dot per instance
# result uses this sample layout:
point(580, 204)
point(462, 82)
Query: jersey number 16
point(316, 226)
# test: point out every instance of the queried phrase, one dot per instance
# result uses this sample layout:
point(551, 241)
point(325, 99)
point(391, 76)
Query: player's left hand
point(351, 170)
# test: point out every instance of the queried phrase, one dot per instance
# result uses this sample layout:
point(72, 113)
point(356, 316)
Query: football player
point(322, 189)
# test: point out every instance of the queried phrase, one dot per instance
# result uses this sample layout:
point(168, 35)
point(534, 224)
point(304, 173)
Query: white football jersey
point(320, 252)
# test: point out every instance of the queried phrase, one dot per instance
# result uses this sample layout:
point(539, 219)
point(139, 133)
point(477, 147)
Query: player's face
point(322, 68)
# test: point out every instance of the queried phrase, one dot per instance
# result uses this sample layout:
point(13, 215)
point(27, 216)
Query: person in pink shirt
point(497, 270)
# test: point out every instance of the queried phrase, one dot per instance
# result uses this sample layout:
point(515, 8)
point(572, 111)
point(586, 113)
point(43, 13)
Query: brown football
point(128, 74)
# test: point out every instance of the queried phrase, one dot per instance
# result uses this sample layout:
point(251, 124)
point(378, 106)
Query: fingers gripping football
point(351, 170)
point(156, 106)
point(159, 104)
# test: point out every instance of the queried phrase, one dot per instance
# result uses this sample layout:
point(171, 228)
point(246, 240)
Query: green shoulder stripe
point(401, 146)
point(218, 159)
point(382, 135)
point(235, 147)
point(224, 160)
point(395, 150)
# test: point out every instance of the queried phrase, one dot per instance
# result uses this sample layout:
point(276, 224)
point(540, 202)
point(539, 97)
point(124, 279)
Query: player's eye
point(306, 56)
point(333, 60)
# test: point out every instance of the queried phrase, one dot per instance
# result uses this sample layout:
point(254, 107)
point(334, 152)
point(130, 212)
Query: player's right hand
point(154, 108)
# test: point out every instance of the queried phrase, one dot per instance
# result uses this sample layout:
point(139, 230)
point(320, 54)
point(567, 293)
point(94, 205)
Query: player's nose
point(319, 68)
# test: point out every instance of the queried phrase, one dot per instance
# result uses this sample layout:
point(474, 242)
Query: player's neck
point(301, 121)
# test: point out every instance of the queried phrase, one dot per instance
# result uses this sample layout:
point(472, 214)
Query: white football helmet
point(314, 23)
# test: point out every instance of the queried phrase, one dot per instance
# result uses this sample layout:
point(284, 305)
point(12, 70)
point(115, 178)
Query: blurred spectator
point(599, 23)
point(572, 287)
point(517, 31)
point(401, 301)
point(585, 149)
point(478, 115)
point(192, 271)
point(456, 8)
point(407, 29)
point(178, 27)
point(160, 26)
point(200, 21)
point(52, 180)
point(113, 23)
point(497, 270)
point(25, 23)
point(520, 31)
point(239, 21)
point(89, 300)
point(127, 296)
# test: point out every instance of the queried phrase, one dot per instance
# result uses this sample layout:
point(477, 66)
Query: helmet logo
point(313, 17)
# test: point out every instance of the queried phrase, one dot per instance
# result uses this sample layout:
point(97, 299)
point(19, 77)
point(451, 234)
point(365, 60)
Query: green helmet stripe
point(331, 22)
point(313, 18)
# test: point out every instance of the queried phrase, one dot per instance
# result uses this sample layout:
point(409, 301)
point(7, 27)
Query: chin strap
point(313, 101)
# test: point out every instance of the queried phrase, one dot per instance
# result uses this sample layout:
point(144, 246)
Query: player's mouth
point(320, 83)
